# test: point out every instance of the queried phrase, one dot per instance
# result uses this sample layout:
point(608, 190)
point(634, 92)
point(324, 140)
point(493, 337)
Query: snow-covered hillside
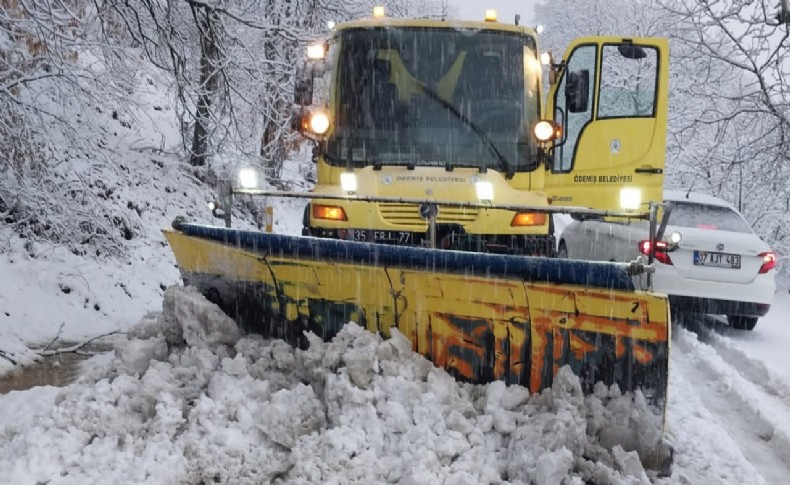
point(88, 292)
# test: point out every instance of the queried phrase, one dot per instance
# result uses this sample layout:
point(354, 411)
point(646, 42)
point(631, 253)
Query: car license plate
point(718, 260)
point(392, 237)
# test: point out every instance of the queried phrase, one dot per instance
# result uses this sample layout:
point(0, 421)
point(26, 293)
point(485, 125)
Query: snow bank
point(189, 400)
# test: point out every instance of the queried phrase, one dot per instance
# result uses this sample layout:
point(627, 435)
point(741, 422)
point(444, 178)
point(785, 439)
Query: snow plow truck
point(440, 163)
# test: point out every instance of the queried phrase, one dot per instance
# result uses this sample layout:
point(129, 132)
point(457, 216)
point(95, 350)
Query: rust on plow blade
point(482, 317)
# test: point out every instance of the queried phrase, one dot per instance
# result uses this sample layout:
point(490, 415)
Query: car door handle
point(649, 170)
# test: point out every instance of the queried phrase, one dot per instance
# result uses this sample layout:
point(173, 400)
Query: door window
point(629, 75)
point(581, 61)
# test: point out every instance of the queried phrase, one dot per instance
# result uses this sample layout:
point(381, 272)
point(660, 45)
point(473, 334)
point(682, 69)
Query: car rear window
point(703, 216)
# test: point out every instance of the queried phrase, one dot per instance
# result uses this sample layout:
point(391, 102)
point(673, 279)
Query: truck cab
point(425, 135)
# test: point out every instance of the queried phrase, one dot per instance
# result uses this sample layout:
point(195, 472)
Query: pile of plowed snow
point(189, 399)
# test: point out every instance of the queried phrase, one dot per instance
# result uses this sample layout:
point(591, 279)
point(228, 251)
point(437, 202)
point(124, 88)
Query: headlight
point(485, 190)
point(248, 178)
point(315, 51)
point(348, 181)
point(544, 130)
point(630, 198)
point(319, 123)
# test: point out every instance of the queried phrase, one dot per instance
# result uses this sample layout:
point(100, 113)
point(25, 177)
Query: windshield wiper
point(509, 172)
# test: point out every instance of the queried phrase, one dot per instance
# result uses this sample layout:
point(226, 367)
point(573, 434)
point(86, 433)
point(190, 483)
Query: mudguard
point(482, 317)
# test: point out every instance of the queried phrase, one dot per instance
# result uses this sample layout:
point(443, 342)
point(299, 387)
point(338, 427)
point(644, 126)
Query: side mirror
point(547, 59)
point(631, 51)
point(577, 90)
point(304, 80)
point(303, 87)
point(303, 93)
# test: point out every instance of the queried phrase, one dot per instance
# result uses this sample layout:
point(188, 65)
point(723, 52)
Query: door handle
point(649, 170)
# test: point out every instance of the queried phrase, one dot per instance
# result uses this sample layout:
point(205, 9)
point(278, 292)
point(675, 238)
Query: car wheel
point(742, 323)
point(562, 251)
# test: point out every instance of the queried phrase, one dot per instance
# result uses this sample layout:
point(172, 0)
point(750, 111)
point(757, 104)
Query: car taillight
point(769, 261)
point(330, 212)
point(661, 250)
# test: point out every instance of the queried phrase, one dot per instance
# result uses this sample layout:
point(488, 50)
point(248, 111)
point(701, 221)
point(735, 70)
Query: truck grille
point(407, 216)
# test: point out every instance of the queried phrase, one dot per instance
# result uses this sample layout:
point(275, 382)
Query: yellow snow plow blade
point(482, 317)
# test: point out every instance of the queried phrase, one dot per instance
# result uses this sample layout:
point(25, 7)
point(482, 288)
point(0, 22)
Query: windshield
point(435, 96)
point(703, 216)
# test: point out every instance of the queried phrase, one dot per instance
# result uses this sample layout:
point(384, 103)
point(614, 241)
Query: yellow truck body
point(427, 109)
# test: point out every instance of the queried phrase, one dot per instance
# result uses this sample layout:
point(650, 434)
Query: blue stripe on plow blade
point(528, 268)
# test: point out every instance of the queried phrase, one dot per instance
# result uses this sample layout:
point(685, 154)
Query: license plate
point(392, 237)
point(718, 260)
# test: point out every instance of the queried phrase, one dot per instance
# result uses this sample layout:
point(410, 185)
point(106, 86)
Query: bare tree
point(56, 70)
point(565, 20)
point(64, 61)
point(731, 122)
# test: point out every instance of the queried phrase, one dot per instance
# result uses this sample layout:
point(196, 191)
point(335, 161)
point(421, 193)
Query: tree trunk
point(209, 83)
point(272, 139)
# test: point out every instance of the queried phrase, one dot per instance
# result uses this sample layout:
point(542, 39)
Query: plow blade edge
point(481, 317)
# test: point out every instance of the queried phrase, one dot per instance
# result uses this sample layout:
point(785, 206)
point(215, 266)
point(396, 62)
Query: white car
point(719, 266)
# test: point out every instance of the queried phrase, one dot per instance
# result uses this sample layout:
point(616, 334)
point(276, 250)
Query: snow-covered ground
point(186, 400)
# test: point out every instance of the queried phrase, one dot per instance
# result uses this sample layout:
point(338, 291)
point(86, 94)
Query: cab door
point(611, 97)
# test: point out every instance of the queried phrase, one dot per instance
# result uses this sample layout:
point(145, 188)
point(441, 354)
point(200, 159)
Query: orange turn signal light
point(528, 219)
point(330, 212)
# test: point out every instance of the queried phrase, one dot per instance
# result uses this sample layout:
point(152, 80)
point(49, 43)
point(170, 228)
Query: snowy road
point(744, 406)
